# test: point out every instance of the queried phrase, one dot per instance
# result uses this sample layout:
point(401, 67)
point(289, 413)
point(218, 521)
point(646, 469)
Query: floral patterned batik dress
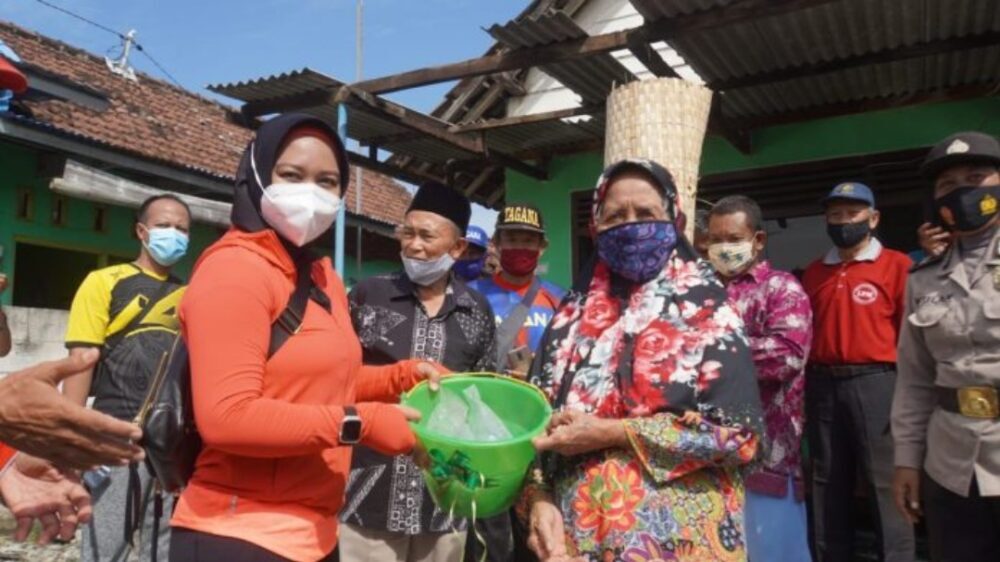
point(689, 402)
point(616, 509)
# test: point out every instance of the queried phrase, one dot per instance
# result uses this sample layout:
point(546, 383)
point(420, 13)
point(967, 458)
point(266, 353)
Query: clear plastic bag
point(484, 423)
point(466, 416)
point(448, 416)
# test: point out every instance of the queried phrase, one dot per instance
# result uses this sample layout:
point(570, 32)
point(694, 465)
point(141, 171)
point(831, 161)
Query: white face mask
point(426, 272)
point(299, 212)
point(731, 258)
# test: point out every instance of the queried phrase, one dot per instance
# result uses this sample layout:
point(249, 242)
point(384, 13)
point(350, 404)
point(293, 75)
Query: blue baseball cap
point(477, 236)
point(851, 191)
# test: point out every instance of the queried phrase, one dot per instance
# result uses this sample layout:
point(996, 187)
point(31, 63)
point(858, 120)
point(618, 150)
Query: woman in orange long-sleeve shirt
point(270, 480)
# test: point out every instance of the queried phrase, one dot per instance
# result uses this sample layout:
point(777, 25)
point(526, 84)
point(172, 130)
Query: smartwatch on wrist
point(350, 427)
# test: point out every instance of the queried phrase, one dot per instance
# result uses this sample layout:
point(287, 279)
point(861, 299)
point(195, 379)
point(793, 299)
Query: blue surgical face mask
point(470, 269)
point(166, 245)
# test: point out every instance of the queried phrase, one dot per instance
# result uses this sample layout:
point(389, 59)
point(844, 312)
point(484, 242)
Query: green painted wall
point(18, 171)
point(568, 174)
point(865, 133)
point(368, 269)
point(18, 165)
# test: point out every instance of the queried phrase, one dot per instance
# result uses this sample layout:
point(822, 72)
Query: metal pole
point(359, 171)
point(338, 231)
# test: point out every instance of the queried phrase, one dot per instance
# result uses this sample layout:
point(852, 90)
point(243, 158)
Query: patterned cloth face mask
point(637, 251)
point(731, 258)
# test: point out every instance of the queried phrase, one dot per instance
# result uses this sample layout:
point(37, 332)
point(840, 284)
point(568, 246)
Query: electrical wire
point(81, 18)
point(143, 50)
point(138, 46)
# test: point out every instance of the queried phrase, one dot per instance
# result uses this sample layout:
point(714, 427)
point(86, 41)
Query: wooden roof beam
point(501, 123)
point(918, 50)
point(517, 164)
point(652, 60)
point(588, 145)
point(405, 136)
point(662, 30)
point(447, 111)
point(485, 101)
point(407, 118)
point(484, 175)
point(390, 170)
point(431, 127)
point(511, 84)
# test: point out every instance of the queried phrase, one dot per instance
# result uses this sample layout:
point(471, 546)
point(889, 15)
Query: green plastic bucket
point(480, 479)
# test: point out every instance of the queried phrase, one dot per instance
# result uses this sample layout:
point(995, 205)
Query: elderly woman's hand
point(547, 536)
point(574, 433)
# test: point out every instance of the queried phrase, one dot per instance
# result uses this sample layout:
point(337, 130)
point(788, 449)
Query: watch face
point(350, 431)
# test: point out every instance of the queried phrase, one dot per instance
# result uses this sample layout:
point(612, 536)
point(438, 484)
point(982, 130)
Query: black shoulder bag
point(169, 434)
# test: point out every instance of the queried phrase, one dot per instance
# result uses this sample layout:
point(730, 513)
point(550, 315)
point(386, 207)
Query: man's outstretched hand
point(36, 419)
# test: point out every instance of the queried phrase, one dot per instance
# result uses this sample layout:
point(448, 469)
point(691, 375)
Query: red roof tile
point(157, 120)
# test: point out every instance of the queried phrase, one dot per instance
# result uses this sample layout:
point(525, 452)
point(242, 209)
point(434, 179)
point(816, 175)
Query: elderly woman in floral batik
point(657, 401)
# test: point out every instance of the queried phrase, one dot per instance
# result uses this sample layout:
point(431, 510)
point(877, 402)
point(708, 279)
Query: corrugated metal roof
point(430, 151)
point(550, 134)
point(361, 125)
point(822, 34)
point(653, 10)
point(936, 73)
point(837, 30)
point(592, 77)
point(277, 85)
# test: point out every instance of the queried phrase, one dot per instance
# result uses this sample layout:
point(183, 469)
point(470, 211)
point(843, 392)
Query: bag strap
point(134, 504)
point(157, 518)
point(289, 321)
point(509, 328)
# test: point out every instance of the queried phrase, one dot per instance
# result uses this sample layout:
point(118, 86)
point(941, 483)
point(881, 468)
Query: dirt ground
point(11, 551)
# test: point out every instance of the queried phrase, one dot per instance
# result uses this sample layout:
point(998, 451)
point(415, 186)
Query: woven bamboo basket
point(663, 120)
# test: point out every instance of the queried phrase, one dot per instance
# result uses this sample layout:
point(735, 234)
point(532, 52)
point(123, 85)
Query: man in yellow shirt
point(129, 312)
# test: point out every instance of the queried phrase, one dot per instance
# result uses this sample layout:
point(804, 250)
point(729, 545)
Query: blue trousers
point(776, 528)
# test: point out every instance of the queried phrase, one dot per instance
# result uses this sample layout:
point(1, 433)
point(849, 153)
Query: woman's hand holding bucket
point(416, 371)
point(385, 427)
point(432, 372)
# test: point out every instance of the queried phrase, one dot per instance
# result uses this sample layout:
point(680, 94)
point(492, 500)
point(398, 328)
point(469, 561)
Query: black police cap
point(961, 148)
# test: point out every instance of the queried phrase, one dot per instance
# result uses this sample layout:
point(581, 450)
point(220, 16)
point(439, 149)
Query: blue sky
point(201, 42)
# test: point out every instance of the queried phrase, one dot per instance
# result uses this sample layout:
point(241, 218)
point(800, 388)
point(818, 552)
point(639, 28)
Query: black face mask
point(848, 235)
point(968, 208)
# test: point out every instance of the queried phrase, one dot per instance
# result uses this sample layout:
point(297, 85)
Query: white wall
point(38, 335)
point(595, 17)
